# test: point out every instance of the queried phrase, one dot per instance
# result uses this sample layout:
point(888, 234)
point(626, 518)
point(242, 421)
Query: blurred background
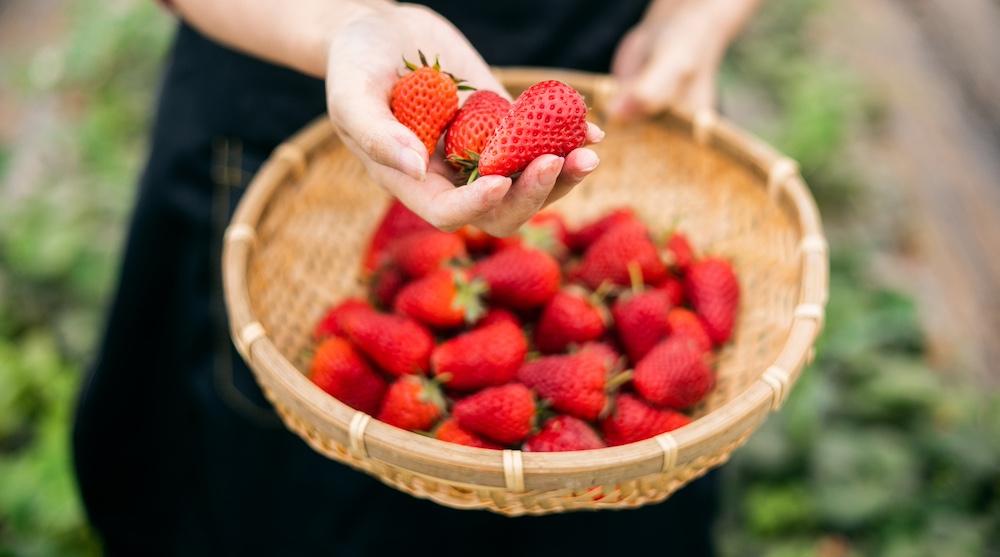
point(890, 443)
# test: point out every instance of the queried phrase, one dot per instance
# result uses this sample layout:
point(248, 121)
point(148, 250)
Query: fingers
point(702, 93)
point(579, 164)
point(454, 207)
point(435, 198)
point(526, 196)
point(594, 133)
point(366, 119)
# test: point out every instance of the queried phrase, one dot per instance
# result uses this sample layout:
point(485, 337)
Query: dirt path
point(933, 62)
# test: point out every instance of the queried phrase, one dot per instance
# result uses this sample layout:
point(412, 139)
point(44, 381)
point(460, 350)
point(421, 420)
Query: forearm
point(294, 34)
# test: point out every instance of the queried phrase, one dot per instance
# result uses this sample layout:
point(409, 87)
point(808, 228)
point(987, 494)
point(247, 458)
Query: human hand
point(363, 64)
point(672, 56)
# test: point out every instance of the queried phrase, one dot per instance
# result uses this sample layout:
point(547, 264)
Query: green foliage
point(874, 453)
point(59, 238)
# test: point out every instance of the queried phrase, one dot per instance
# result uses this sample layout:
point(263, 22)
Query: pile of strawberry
point(551, 340)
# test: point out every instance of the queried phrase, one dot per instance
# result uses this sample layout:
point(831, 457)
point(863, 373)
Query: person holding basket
point(176, 450)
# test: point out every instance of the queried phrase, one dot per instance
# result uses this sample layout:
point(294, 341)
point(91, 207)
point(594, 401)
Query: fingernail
point(411, 163)
point(588, 161)
point(600, 133)
point(552, 170)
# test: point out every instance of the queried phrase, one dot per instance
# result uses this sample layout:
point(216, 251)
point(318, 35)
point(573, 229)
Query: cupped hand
point(364, 61)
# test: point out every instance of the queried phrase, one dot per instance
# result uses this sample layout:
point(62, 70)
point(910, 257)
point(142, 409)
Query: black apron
point(176, 450)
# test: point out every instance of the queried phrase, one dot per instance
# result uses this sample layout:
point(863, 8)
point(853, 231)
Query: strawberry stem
point(616, 381)
point(635, 277)
point(473, 176)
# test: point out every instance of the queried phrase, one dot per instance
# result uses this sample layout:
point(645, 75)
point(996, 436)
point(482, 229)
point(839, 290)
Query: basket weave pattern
point(295, 244)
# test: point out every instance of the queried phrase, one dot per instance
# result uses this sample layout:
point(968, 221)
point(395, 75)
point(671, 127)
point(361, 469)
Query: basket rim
point(512, 469)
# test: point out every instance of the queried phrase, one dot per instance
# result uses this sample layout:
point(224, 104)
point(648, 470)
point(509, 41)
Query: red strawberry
point(641, 320)
point(450, 431)
point(412, 403)
point(545, 231)
point(445, 298)
point(674, 374)
point(397, 222)
point(519, 277)
point(714, 292)
point(425, 100)
point(573, 316)
point(680, 252)
point(549, 117)
point(497, 315)
point(420, 253)
point(340, 371)
point(564, 433)
point(674, 289)
point(330, 324)
point(575, 384)
point(684, 323)
point(475, 239)
point(604, 350)
point(472, 127)
point(483, 357)
point(505, 414)
point(609, 257)
point(582, 238)
point(633, 420)
point(399, 345)
point(386, 284)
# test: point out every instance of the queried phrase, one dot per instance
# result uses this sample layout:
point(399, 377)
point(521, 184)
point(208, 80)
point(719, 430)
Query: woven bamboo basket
point(294, 248)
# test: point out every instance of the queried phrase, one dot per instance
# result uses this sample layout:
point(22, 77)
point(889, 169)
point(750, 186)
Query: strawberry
point(582, 238)
point(573, 316)
point(575, 384)
point(505, 414)
point(399, 345)
point(684, 323)
point(420, 253)
point(604, 350)
point(497, 315)
point(386, 284)
point(674, 289)
point(545, 231)
point(425, 100)
point(450, 431)
point(484, 357)
point(397, 222)
point(340, 371)
point(475, 239)
point(445, 298)
point(519, 277)
point(679, 251)
point(472, 127)
point(549, 117)
point(674, 373)
point(633, 420)
point(412, 403)
point(330, 324)
point(714, 291)
point(609, 257)
point(564, 433)
point(640, 317)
